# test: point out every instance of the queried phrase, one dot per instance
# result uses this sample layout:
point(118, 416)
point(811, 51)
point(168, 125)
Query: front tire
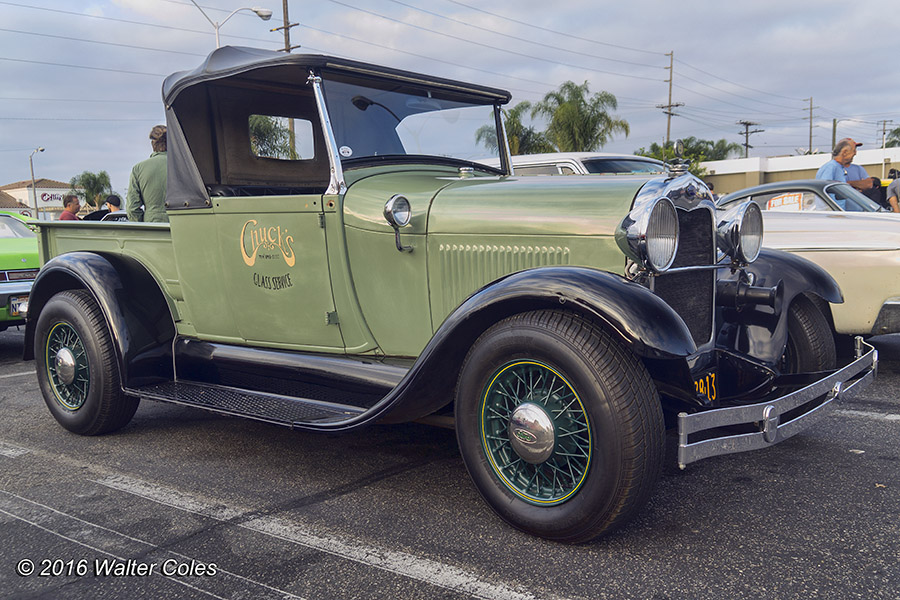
point(77, 368)
point(810, 344)
point(559, 426)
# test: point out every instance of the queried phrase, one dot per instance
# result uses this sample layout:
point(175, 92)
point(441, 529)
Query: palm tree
point(893, 138)
point(90, 187)
point(579, 122)
point(721, 149)
point(522, 139)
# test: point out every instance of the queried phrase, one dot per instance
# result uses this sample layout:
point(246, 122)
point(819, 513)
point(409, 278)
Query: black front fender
point(759, 331)
point(137, 315)
point(644, 323)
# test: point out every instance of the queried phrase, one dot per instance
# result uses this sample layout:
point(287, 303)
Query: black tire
point(810, 344)
point(597, 391)
point(77, 368)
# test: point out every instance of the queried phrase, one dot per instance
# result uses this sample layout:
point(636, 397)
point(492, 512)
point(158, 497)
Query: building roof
point(41, 183)
point(7, 201)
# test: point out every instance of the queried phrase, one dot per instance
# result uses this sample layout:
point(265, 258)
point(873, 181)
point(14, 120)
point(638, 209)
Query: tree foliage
point(270, 137)
point(695, 151)
point(577, 121)
point(522, 139)
point(893, 138)
point(91, 187)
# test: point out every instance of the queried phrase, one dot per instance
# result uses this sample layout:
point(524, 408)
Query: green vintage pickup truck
point(340, 253)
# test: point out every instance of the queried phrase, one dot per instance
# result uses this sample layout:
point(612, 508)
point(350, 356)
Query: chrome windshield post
point(336, 184)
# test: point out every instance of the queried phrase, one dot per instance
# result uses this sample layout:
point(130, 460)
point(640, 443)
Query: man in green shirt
point(146, 199)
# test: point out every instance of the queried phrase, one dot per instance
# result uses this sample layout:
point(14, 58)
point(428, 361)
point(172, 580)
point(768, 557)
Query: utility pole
point(884, 131)
point(746, 133)
point(667, 108)
point(287, 48)
point(811, 107)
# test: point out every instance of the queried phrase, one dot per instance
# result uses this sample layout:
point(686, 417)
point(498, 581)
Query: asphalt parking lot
point(186, 504)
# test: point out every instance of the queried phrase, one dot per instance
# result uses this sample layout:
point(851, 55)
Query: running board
point(270, 408)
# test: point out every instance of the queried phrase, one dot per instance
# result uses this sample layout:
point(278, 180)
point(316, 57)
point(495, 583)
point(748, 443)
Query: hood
point(443, 202)
point(831, 231)
point(554, 205)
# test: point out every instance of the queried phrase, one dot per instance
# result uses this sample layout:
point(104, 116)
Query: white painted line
point(10, 451)
point(30, 512)
point(864, 414)
point(22, 374)
point(401, 563)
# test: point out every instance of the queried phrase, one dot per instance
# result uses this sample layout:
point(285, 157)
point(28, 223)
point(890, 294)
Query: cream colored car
point(840, 230)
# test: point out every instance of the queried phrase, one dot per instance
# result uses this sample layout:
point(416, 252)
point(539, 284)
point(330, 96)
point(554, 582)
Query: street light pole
point(263, 13)
point(37, 212)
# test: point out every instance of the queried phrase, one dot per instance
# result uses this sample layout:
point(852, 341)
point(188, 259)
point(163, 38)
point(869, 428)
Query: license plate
point(15, 305)
point(706, 386)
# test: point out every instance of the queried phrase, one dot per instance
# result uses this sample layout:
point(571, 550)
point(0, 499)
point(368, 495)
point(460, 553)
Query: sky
point(82, 79)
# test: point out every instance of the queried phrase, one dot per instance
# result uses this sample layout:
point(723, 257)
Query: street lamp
point(37, 213)
point(263, 13)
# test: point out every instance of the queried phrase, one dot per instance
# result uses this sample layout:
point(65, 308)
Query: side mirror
point(397, 213)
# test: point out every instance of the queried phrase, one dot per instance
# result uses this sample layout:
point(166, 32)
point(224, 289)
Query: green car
point(341, 251)
point(18, 267)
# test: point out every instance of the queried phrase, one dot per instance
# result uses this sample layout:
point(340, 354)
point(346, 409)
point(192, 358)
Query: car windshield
point(11, 227)
point(620, 166)
point(388, 119)
point(850, 199)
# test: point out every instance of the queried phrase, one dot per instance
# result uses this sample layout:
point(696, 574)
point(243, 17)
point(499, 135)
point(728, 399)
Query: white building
point(50, 196)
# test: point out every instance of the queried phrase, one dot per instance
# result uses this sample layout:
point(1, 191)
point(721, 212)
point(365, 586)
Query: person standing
point(146, 199)
point(113, 203)
point(71, 206)
point(893, 195)
point(838, 168)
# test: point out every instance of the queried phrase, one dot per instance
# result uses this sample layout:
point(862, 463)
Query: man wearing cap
point(113, 203)
point(837, 169)
point(146, 200)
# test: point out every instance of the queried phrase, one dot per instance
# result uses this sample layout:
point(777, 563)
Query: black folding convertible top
point(232, 60)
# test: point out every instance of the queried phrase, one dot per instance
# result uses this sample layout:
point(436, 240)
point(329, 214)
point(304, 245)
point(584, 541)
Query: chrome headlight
point(397, 211)
point(649, 235)
point(740, 232)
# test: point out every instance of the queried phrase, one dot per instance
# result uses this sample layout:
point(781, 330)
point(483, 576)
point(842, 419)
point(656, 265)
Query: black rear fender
point(135, 309)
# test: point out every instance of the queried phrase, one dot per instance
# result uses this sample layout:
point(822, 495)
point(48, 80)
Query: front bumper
point(842, 384)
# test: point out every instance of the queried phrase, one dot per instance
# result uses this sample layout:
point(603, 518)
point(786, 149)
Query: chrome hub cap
point(65, 365)
point(531, 433)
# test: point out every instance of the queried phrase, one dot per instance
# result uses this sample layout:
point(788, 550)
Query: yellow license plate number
point(706, 386)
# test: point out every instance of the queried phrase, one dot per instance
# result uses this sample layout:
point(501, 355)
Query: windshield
point(620, 166)
point(850, 199)
point(391, 119)
point(11, 227)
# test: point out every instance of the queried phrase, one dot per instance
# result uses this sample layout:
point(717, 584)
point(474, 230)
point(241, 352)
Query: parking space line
point(56, 522)
point(400, 563)
point(864, 414)
point(10, 451)
point(22, 374)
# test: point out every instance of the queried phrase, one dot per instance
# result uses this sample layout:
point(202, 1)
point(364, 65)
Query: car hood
point(19, 253)
point(443, 202)
point(831, 231)
point(534, 205)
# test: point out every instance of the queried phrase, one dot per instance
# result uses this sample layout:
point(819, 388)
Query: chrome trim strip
point(336, 183)
point(768, 414)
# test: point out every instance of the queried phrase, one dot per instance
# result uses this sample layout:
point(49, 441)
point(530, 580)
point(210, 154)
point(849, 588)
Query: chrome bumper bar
point(767, 415)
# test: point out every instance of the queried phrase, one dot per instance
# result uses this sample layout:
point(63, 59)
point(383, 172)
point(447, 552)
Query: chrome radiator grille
point(691, 293)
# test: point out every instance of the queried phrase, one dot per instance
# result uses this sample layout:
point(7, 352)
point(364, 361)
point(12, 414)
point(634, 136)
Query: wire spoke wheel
point(535, 432)
point(67, 366)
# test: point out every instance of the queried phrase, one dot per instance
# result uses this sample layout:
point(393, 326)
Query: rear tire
point(77, 368)
point(589, 398)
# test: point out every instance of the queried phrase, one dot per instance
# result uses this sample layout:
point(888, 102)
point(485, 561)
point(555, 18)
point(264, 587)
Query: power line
point(74, 39)
point(513, 52)
point(568, 35)
point(738, 84)
point(513, 37)
point(70, 66)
